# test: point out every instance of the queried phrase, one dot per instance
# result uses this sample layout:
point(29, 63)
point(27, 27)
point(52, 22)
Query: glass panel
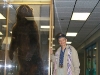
point(2, 38)
point(88, 67)
point(94, 60)
point(91, 60)
point(41, 17)
point(87, 72)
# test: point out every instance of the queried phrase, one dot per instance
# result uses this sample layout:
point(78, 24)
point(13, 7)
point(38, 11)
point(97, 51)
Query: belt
point(61, 66)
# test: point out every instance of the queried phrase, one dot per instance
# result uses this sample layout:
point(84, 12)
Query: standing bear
point(25, 41)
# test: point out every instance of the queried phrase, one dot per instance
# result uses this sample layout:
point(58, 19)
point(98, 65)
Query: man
point(65, 61)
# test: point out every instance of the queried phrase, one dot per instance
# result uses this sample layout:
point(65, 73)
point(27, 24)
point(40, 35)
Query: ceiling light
point(1, 33)
point(95, 48)
point(4, 26)
point(53, 45)
point(93, 55)
point(11, 32)
point(0, 37)
point(68, 42)
point(11, 6)
point(52, 38)
point(46, 27)
point(71, 34)
point(5, 42)
point(80, 16)
point(1, 16)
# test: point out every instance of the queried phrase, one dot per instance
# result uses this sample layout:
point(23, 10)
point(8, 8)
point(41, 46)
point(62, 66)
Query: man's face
point(62, 41)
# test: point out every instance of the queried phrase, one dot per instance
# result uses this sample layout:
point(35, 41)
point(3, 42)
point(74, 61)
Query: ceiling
point(85, 29)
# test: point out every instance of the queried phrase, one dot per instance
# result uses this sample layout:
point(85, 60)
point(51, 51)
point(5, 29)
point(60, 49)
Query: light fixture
point(11, 6)
point(53, 45)
point(1, 33)
point(9, 66)
point(0, 37)
point(52, 38)
point(95, 48)
point(0, 66)
point(4, 41)
point(45, 26)
point(93, 55)
point(11, 32)
point(1, 16)
point(80, 16)
point(4, 26)
point(71, 34)
point(68, 42)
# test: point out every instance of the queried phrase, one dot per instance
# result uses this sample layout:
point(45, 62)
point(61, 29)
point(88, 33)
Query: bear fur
point(25, 40)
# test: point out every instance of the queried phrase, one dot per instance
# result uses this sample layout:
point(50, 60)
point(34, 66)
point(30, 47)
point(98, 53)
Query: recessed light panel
point(4, 26)
point(68, 42)
point(80, 16)
point(1, 33)
point(1, 16)
point(45, 26)
point(71, 34)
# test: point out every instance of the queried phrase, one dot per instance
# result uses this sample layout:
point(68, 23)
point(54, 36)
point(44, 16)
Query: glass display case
point(91, 60)
point(43, 16)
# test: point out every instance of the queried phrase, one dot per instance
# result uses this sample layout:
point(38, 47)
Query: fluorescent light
point(0, 66)
point(9, 66)
point(11, 6)
point(4, 41)
point(93, 55)
point(11, 32)
point(53, 45)
point(1, 16)
point(45, 26)
point(71, 34)
point(80, 16)
point(52, 38)
point(0, 37)
point(95, 48)
point(1, 33)
point(4, 26)
point(68, 42)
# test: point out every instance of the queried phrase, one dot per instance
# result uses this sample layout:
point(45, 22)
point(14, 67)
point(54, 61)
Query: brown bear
point(25, 40)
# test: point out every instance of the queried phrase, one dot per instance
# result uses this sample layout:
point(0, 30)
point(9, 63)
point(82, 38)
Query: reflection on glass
point(3, 13)
point(91, 60)
point(94, 60)
point(40, 11)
